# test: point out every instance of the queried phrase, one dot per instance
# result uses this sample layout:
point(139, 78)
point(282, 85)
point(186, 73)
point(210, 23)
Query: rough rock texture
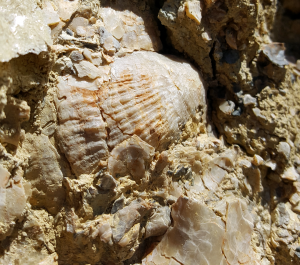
point(150, 132)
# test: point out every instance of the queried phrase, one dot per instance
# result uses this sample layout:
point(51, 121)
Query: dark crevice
point(164, 34)
point(213, 62)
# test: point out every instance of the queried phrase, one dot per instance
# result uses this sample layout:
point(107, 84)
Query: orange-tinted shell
point(149, 95)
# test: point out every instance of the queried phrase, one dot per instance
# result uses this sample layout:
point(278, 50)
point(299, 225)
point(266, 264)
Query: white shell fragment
point(248, 100)
point(87, 69)
point(290, 174)
point(227, 107)
point(145, 97)
point(284, 149)
point(218, 168)
point(193, 11)
point(257, 160)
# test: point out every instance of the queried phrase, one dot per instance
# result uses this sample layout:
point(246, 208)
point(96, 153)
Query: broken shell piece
point(284, 149)
point(127, 217)
point(158, 222)
point(4, 177)
point(87, 69)
point(257, 160)
point(110, 44)
point(193, 11)
point(131, 156)
point(66, 8)
point(130, 237)
point(271, 164)
point(245, 163)
point(217, 170)
point(294, 198)
point(78, 21)
point(87, 54)
point(290, 174)
point(213, 176)
point(112, 22)
point(44, 173)
point(103, 229)
point(276, 53)
point(248, 100)
point(227, 107)
point(195, 238)
point(260, 117)
point(206, 37)
point(107, 182)
point(51, 18)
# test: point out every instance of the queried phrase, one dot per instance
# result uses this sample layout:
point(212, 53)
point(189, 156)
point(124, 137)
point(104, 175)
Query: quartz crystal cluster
point(149, 132)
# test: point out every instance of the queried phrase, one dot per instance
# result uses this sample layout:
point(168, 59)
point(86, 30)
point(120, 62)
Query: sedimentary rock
point(112, 153)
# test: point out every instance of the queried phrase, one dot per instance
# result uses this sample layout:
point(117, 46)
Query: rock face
point(115, 149)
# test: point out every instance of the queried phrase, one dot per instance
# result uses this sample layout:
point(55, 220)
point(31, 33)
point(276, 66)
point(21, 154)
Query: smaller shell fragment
point(248, 100)
point(227, 106)
point(131, 156)
point(276, 53)
point(158, 222)
point(193, 11)
point(257, 160)
point(284, 149)
point(290, 174)
point(87, 69)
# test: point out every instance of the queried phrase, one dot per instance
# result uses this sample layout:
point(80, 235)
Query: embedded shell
point(148, 95)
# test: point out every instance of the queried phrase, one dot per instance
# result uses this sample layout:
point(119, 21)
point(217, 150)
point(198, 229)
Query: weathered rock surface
point(114, 151)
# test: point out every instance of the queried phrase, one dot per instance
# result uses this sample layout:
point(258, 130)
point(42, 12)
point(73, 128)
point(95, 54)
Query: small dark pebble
point(70, 32)
point(76, 56)
point(231, 56)
point(237, 112)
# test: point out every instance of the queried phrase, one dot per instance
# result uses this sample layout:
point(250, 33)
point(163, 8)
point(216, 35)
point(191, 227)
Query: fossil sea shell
point(148, 95)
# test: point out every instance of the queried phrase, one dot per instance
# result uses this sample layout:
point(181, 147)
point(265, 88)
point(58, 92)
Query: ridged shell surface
point(148, 95)
point(81, 130)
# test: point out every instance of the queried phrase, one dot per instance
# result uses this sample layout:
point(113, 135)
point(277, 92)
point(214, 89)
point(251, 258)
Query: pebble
point(248, 100)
